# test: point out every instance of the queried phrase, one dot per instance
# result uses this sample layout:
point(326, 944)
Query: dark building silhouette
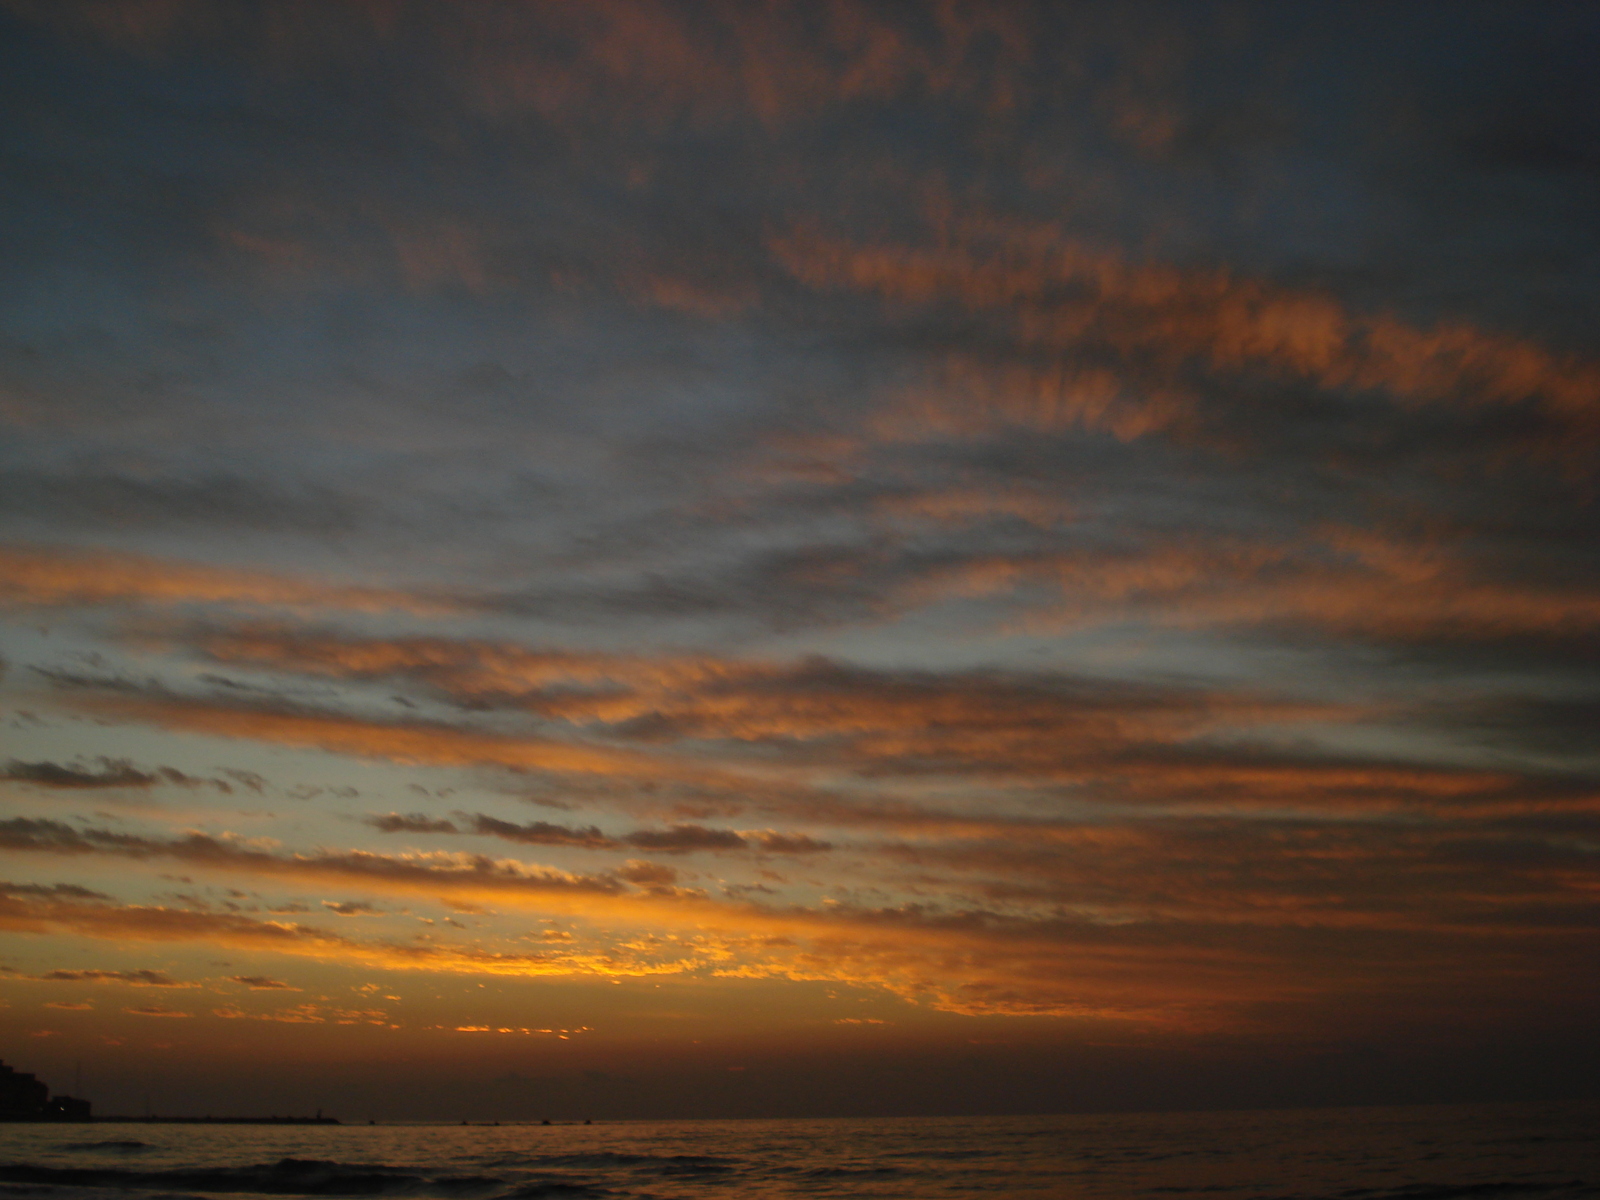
point(24, 1098)
point(21, 1095)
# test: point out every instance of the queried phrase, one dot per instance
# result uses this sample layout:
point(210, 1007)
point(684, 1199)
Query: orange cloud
point(678, 696)
point(413, 742)
point(1060, 293)
point(39, 576)
point(1195, 923)
point(468, 875)
point(651, 61)
point(308, 1014)
point(692, 297)
point(965, 505)
point(1339, 579)
point(814, 719)
point(21, 913)
point(902, 957)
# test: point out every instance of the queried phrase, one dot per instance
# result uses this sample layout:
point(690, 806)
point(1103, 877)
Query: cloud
point(1280, 873)
point(1556, 725)
point(140, 978)
point(115, 773)
point(60, 891)
point(541, 833)
point(648, 874)
point(772, 842)
point(1195, 869)
point(142, 923)
point(88, 499)
point(461, 875)
point(155, 1010)
point(684, 839)
point(1178, 923)
point(649, 61)
point(675, 839)
point(436, 743)
point(32, 576)
point(415, 823)
point(1168, 317)
point(351, 908)
point(656, 700)
point(1117, 741)
point(308, 1014)
point(261, 983)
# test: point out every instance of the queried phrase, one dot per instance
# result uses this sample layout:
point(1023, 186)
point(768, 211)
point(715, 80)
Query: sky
point(807, 557)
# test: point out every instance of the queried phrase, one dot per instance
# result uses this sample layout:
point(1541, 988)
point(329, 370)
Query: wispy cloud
point(308, 1014)
point(32, 576)
point(263, 983)
point(1061, 295)
point(139, 978)
point(1119, 741)
point(430, 873)
point(110, 774)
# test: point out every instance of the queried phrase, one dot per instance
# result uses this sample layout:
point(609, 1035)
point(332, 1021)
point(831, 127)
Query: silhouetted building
point(24, 1098)
point(21, 1095)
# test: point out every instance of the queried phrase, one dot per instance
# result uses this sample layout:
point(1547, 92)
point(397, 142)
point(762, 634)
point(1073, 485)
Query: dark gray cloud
point(1450, 874)
point(684, 839)
point(352, 908)
point(414, 823)
point(111, 773)
point(675, 839)
point(140, 978)
point(1565, 726)
point(541, 833)
point(263, 983)
point(54, 891)
point(85, 500)
point(55, 837)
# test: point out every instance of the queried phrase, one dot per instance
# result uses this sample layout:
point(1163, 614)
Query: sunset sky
point(622, 557)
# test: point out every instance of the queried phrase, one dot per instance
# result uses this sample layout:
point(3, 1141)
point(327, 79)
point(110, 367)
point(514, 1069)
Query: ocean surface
point(1491, 1152)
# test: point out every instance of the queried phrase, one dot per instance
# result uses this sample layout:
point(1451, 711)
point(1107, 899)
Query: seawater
point(1493, 1152)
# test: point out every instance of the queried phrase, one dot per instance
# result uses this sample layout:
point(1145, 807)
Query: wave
point(604, 1160)
point(611, 1158)
point(849, 1172)
point(1495, 1189)
point(287, 1176)
point(664, 1163)
point(111, 1145)
point(454, 1184)
point(318, 1177)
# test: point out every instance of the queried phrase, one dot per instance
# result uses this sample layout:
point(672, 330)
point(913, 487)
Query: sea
point(1481, 1152)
